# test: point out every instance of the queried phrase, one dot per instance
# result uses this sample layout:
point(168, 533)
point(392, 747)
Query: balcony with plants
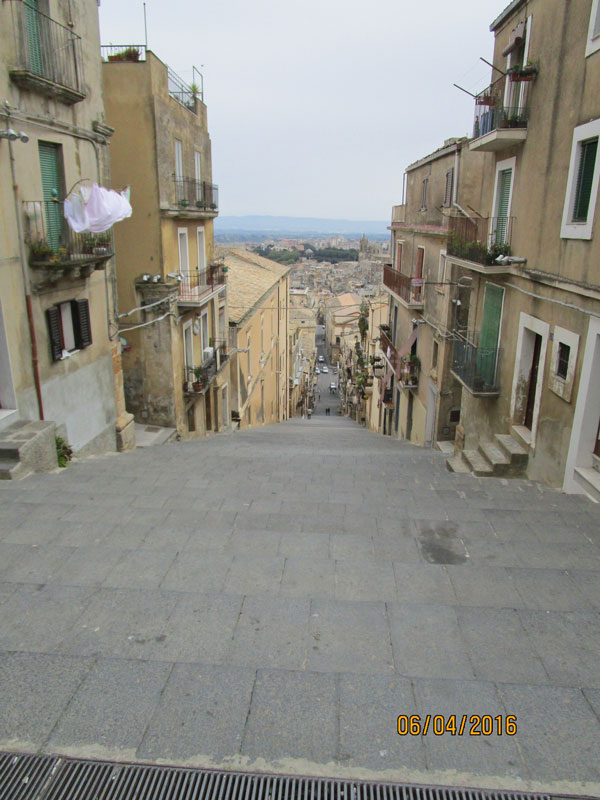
point(196, 380)
point(194, 199)
point(195, 286)
point(55, 250)
point(408, 289)
point(406, 367)
point(502, 111)
point(478, 242)
point(46, 56)
point(475, 367)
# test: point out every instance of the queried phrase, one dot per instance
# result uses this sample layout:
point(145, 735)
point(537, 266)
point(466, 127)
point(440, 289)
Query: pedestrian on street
point(327, 412)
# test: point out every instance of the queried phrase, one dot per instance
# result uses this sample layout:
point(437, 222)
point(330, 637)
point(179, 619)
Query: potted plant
point(200, 377)
point(40, 250)
point(128, 54)
point(184, 203)
point(522, 72)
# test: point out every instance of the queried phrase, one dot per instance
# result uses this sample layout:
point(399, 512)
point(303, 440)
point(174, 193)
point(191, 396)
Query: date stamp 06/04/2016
point(457, 725)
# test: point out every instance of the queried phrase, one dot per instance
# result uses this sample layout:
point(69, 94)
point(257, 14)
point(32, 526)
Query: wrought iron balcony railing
point(409, 289)
point(497, 108)
point(47, 56)
point(52, 243)
point(195, 195)
point(123, 52)
point(475, 367)
point(406, 367)
point(479, 239)
point(196, 380)
point(196, 284)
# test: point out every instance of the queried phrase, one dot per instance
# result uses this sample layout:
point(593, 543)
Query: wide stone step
point(498, 460)
point(11, 470)
point(509, 445)
point(478, 465)
point(456, 464)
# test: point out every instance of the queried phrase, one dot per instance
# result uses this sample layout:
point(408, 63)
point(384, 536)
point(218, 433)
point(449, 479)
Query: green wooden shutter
point(585, 177)
point(34, 49)
point(54, 330)
point(504, 181)
point(487, 350)
point(80, 313)
point(49, 168)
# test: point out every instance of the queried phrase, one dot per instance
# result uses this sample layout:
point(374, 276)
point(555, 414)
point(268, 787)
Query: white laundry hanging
point(97, 209)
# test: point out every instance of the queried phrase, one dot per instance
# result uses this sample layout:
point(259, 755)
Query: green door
point(504, 181)
point(487, 351)
point(51, 183)
point(32, 22)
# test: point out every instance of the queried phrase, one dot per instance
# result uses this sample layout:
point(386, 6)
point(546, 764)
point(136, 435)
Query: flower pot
point(197, 386)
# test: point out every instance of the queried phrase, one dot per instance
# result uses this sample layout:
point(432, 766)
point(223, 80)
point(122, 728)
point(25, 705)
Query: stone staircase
point(27, 446)
point(502, 458)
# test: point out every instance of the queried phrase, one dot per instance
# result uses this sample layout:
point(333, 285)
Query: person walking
point(327, 412)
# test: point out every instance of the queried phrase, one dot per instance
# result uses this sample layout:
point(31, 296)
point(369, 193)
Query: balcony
point(47, 57)
point(409, 290)
point(498, 125)
point(123, 52)
point(194, 199)
point(55, 250)
point(197, 285)
point(478, 241)
point(398, 214)
point(196, 380)
point(406, 367)
point(475, 367)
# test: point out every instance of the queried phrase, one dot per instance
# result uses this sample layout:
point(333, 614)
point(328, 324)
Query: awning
point(516, 38)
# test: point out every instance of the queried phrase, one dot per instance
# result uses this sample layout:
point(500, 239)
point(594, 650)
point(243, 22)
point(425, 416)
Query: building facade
point(60, 357)
point(528, 355)
point(174, 294)
point(258, 291)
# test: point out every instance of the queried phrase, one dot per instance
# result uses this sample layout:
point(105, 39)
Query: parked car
point(317, 371)
point(325, 369)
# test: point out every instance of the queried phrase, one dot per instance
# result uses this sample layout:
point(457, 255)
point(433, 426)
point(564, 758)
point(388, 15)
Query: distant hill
point(296, 226)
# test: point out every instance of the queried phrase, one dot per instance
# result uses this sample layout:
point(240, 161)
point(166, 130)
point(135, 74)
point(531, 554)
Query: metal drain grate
point(24, 777)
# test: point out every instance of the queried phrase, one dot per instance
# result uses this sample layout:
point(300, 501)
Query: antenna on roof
point(145, 26)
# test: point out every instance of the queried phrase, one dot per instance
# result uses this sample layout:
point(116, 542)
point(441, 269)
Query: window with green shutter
point(503, 205)
point(585, 176)
point(487, 351)
point(50, 170)
point(32, 23)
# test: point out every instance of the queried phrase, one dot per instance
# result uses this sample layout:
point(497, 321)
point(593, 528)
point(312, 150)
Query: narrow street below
point(276, 598)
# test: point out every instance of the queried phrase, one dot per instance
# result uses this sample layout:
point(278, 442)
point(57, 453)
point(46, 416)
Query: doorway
point(533, 381)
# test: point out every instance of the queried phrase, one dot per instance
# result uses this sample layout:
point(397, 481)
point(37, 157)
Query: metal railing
point(409, 289)
point(52, 242)
point(194, 194)
point(476, 367)
point(406, 368)
point(479, 239)
point(123, 52)
point(45, 48)
point(208, 370)
point(184, 93)
point(492, 113)
point(195, 284)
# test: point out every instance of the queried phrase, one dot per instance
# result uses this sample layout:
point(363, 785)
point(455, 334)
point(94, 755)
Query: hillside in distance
point(254, 225)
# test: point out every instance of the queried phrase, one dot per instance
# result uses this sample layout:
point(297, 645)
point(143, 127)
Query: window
point(188, 347)
point(184, 262)
point(448, 191)
point(399, 256)
point(424, 195)
point(52, 174)
point(500, 228)
point(582, 183)
point(593, 42)
point(565, 346)
point(434, 355)
point(179, 170)
point(198, 168)
point(201, 248)
point(585, 175)
point(69, 328)
point(563, 360)
point(204, 340)
point(441, 271)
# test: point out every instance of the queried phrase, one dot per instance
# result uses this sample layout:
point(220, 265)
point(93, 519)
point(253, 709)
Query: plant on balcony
point(97, 244)
point(363, 321)
point(40, 250)
point(522, 72)
point(200, 379)
point(128, 54)
point(184, 203)
point(495, 251)
point(385, 328)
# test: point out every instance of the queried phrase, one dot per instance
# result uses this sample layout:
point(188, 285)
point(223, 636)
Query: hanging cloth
point(97, 211)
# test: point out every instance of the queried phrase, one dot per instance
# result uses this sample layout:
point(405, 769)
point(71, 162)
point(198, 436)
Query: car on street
point(317, 371)
point(321, 359)
point(325, 369)
point(332, 386)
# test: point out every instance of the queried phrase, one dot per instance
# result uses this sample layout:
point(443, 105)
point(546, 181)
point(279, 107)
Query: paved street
point(275, 598)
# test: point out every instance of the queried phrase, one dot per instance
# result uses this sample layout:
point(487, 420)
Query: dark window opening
point(562, 367)
point(454, 416)
point(585, 177)
point(69, 328)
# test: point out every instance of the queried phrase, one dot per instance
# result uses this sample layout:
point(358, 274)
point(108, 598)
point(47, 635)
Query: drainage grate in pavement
point(25, 777)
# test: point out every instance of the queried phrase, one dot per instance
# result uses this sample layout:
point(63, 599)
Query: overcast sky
point(315, 107)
